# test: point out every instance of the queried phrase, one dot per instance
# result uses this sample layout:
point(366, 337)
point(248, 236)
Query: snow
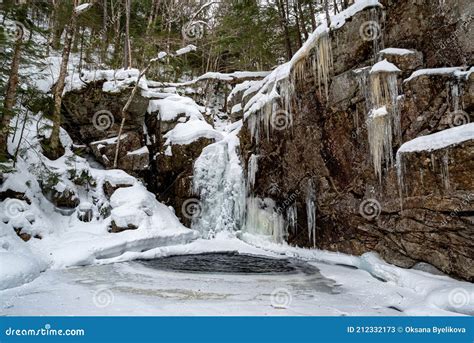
point(384, 67)
point(185, 50)
point(236, 108)
point(141, 151)
point(440, 140)
point(221, 77)
point(239, 88)
point(82, 8)
point(345, 286)
point(65, 240)
point(186, 133)
point(170, 108)
point(434, 71)
point(396, 51)
point(115, 80)
point(340, 19)
point(17, 269)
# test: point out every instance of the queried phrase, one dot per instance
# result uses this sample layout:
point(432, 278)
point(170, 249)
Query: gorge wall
point(316, 163)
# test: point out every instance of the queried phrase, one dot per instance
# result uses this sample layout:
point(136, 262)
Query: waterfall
point(219, 181)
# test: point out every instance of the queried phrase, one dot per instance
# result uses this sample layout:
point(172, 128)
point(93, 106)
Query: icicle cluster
point(384, 118)
point(321, 64)
point(324, 62)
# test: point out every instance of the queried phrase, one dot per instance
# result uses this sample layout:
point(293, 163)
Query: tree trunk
point(300, 14)
point(55, 149)
point(284, 24)
point(105, 24)
point(313, 15)
point(326, 10)
point(127, 58)
point(10, 97)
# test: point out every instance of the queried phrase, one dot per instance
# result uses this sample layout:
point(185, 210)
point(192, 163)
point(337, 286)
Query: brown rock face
point(325, 150)
point(174, 179)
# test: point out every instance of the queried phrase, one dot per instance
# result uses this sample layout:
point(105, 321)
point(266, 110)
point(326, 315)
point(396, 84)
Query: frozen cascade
point(219, 181)
point(252, 171)
point(263, 218)
point(311, 211)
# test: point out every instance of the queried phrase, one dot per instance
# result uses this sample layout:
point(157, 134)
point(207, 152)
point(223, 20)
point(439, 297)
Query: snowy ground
point(131, 288)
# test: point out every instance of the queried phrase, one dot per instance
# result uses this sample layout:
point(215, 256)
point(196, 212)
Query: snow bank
point(440, 140)
point(19, 264)
point(58, 237)
point(186, 133)
point(170, 108)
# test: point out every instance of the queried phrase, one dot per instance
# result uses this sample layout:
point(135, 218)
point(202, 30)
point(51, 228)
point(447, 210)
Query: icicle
point(311, 211)
point(364, 85)
point(385, 117)
point(384, 90)
point(377, 41)
point(455, 96)
point(445, 171)
point(252, 171)
point(292, 217)
point(379, 128)
point(324, 61)
point(401, 176)
point(433, 163)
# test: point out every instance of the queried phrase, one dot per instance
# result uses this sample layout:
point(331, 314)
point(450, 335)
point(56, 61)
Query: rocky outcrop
point(322, 155)
point(132, 157)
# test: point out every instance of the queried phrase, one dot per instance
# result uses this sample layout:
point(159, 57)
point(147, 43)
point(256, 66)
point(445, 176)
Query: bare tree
point(127, 58)
point(10, 96)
